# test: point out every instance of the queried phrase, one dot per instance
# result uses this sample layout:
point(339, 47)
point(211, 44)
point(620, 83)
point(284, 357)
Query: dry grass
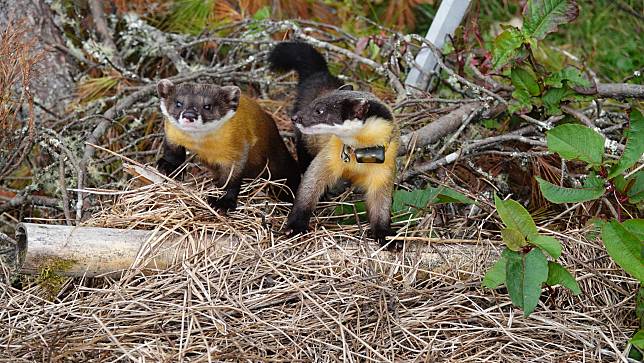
point(325, 297)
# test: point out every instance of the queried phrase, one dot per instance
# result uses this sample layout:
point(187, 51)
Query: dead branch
point(620, 90)
point(436, 130)
point(98, 15)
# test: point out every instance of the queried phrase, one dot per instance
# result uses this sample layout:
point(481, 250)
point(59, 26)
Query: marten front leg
point(378, 200)
point(316, 178)
point(231, 177)
point(173, 157)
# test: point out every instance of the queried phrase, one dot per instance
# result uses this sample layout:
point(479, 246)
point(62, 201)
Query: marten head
point(196, 107)
point(341, 112)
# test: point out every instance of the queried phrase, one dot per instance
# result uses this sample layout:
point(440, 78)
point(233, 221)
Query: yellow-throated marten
point(340, 134)
point(226, 130)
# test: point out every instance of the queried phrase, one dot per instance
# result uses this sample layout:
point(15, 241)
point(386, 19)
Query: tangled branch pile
point(326, 297)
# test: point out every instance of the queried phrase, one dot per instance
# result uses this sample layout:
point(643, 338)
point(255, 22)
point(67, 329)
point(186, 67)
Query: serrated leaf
point(520, 103)
point(625, 248)
point(548, 244)
point(523, 79)
point(524, 276)
point(542, 17)
point(636, 190)
point(495, 276)
point(506, 46)
point(635, 226)
point(553, 97)
point(513, 238)
point(559, 195)
point(638, 339)
point(570, 74)
point(576, 142)
point(634, 145)
point(558, 275)
point(515, 216)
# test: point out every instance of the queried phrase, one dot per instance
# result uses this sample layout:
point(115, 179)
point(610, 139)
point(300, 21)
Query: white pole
point(449, 16)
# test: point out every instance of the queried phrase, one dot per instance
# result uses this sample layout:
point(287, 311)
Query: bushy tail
point(298, 56)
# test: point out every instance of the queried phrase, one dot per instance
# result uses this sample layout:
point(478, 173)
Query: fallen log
point(94, 252)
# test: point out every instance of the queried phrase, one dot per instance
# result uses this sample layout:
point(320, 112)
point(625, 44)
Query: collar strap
point(364, 155)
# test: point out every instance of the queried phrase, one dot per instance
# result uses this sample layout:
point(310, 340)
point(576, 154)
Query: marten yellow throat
point(342, 134)
point(228, 131)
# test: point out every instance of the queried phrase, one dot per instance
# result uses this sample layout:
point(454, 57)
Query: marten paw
point(223, 204)
point(296, 226)
point(165, 167)
point(381, 235)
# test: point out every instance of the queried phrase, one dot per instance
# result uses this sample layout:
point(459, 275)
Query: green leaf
point(263, 13)
point(495, 276)
point(524, 276)
point(525, 79)
point(506, 47)
point(542, 17)
point(638, 339)
point(558, 275)
point(576, 142)
point(625, 248)
point(559, 195)
point(635, 226)
point(521, 102)
point(514, 216)
point(570, 74)
point(553, 97)
point(634, 145)
point(447, 195)
point(513, 238)
point(636, 191)
point(548, 244)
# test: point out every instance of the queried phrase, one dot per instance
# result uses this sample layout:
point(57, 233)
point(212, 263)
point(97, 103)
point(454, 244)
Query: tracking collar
point(364, 155)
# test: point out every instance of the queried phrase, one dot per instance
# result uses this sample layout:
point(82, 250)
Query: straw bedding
point(328, 296)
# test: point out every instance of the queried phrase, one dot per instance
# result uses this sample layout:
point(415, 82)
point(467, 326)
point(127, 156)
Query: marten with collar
point(342, 134)
point(229, 132)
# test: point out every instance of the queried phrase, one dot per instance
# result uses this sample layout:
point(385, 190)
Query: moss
point(49, 277)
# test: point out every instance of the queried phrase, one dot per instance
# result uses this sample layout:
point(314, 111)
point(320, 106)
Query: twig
point(620, 90)
point(103, 30)
point(578, 115)
point(437, 129)
point(20, 200)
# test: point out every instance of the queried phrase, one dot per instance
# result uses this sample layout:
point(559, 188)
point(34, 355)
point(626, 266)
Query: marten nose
point(190, 115)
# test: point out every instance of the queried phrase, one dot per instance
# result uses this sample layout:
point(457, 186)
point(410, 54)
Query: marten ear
point(231, 95)
point(346, 87)
point(165, 88)
point(359, 108)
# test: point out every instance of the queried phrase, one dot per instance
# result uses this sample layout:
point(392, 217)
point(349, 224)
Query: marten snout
point(190, 115)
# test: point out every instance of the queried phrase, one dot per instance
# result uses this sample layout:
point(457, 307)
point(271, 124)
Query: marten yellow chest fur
point(227, 131)
point(226, 145)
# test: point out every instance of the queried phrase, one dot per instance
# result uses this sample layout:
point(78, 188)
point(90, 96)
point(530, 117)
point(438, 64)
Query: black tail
point(298, 56)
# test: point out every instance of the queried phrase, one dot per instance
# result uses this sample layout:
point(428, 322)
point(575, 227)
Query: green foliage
point(506, 47)
point(576, 142)
point(523, 266)
point(557, 275)
point(548, 244)
point(624, 245)
point(569, 75)
point(525, 273)
point(542, 17)
point(412, 202)
point(515, 216)
point(557, 194)
point(495, 276)
point(409, 204)
point(634, 146)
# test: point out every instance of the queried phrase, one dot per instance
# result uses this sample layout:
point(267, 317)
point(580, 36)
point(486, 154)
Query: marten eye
point(319, 111)
point(207, 107)
point(179, 104)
